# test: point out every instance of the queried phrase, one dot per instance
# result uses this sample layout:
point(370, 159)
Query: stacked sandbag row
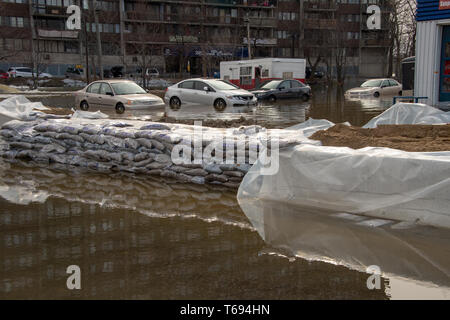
point(129, 146)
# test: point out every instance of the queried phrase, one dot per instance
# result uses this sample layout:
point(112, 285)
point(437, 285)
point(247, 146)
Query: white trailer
point(248, 74)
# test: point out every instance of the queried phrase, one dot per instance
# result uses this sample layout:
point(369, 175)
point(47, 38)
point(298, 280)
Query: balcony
point(324, 24)
point(261, 42)
point(68, 34)
point(331, 6)
point(376, 42)
point(263, 22)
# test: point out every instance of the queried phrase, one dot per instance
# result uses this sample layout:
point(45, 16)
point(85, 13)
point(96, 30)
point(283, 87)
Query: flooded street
point(326, 103)
point(139, 237)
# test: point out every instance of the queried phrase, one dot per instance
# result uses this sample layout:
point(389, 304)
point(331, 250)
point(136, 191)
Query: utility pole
point(86, 50)
point(247, 20)
point(33, 37)
point(99, 42)
point(122, 41)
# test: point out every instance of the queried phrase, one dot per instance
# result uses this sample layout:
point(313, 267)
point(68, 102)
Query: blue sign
point(432, 10)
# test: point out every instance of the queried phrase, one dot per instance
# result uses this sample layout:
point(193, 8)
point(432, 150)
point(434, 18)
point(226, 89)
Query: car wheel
point(272, 98)
point(376, 94)
point(220, 104)
point(84, 106)
point(175, 103)
point(400, 93)
point(305, 97)
point(120, 108)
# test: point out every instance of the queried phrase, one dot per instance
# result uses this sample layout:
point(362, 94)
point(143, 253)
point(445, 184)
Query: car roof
point(112, 81)
point(381, 79)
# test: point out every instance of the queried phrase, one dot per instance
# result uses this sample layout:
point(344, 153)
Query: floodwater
point(137, 237)
point(327, 102)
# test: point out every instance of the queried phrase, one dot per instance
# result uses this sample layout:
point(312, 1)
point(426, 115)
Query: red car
point(4, 74)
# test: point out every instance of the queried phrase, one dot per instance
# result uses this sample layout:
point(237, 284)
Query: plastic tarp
point(377, 182)
point(19, 108)
point(410, 113)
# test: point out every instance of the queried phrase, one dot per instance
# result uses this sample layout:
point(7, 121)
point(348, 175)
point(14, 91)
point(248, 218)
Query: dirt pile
point(413, 138)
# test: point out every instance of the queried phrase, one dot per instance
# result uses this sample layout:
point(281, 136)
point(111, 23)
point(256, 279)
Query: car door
point(201, 96)
point(395, 87)
point(296, 89)
point(187, 94)
point(385, 87)
point(106, 96)
point(92, 93)
point(284, 90)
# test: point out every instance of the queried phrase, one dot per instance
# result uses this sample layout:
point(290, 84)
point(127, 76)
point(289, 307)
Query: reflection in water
point(328, 102)
point(401, 251)
point(143, 238)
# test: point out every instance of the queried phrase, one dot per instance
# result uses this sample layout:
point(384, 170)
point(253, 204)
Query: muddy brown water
point(136, 237)
point(327, 102)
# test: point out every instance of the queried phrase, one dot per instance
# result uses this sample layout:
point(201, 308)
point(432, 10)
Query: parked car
point(117, 94)
point(117, 71)
point(74, 73)
point(375, 88)
point(218, 93)
point(25, 72)
point(317, 74)
point(283, 89)
point(4, 74)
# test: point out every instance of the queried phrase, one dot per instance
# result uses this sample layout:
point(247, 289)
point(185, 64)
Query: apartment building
point(191, 35)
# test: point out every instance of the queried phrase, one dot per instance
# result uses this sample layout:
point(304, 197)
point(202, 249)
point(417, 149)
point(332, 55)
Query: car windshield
point(271, 85)
point(371, 83)
point(222, 85)
point(122, 88)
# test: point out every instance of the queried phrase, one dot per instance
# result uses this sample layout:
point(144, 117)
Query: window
point(296, 84)
point(186, 85)
point(285, 85)
point(105, 89)
point(245, 74)
point(393, 83)
point(198, 85)
point(94, 88)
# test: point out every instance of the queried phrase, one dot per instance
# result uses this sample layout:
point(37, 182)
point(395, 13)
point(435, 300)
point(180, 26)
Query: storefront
point(432, 70)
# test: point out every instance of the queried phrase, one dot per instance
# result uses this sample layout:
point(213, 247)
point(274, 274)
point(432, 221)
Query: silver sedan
point(218, 93)
point(117, 94)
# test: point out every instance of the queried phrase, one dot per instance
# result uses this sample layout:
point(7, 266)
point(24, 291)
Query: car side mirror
point(206, 89)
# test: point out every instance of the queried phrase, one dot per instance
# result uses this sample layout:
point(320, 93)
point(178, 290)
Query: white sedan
point(25, 72)
point(376, 88)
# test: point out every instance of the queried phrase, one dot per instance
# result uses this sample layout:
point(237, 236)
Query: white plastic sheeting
point(378, 182)
point(410, 113)
point(19, 108)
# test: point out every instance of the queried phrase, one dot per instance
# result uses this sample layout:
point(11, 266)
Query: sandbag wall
point(128, 146)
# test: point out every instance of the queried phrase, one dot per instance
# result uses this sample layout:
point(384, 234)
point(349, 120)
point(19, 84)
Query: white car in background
point(210, 92)
point(376, 88)
point(25, 72)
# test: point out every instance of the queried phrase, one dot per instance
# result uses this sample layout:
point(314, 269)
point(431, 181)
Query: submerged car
point(283, 89)
point(117, 94)
point(218, 93)
point(375, 88)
